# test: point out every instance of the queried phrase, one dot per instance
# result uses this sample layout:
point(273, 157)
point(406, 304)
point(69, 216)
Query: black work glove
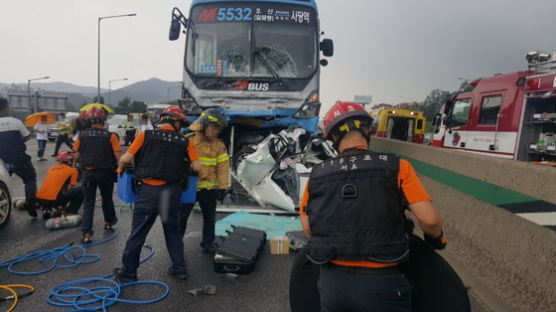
point(438, 243)
point(221, 194)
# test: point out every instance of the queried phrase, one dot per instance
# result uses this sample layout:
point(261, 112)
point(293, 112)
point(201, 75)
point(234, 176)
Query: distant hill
point(149, 91)
point(55, 86)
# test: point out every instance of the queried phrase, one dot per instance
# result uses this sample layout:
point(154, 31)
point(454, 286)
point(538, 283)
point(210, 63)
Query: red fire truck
point(509, 116)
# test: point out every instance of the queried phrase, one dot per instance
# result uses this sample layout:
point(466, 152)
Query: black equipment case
point(239, 252)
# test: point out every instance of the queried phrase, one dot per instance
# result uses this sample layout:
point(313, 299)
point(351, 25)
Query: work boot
point(123, 278)
point(47, 214)
point(178, 275)
point(31, 209)
point(109, 226)
point(208, 248)
point(87, 239)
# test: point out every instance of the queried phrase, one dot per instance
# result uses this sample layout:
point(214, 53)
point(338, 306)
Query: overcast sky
point(391, 49)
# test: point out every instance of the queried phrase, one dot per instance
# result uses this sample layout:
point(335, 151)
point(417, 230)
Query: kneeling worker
point(353, 211)
point(162, 160)
point(60, 186)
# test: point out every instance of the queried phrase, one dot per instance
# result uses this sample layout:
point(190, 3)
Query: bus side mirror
point(327, 47)
point(175, 28)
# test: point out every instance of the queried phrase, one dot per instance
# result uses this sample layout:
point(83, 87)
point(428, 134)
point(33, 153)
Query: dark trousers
point(62, 139)
point(207, 200)
point(42, 147)
point(72, 198)
point(103, 179)
point(129, 137)
point(152, 201)
point(22, 167)
point(360, 290)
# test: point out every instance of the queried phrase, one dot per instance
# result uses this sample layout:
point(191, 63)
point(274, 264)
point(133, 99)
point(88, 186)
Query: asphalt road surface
point(266, 289)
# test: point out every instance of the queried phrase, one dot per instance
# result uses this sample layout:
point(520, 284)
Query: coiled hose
point(74, 294)
point(14, 295)
point(73, 255)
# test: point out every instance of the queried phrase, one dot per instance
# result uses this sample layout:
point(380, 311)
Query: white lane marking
point(542, 218)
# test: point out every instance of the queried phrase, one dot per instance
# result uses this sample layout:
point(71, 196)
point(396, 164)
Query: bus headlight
point(311, 107)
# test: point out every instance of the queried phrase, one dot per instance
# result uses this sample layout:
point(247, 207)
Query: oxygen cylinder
point(63, 222)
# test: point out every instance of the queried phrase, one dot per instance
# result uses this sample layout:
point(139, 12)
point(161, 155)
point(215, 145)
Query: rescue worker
point(13, 136)
point(162, 161)
point(81, 124)
point(213, 180)
point(59, 187)
point(145, 123)
point(97, 153)
point(130, 130)
point(64, 134)
point(353, 211)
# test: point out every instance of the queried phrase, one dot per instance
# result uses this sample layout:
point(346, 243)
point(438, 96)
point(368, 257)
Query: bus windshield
point(252, 41)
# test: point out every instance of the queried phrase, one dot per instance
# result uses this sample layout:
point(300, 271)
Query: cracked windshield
point(243, 42)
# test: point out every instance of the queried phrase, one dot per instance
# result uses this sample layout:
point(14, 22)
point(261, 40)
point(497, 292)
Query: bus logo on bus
point(258, 86)
point(208, 15)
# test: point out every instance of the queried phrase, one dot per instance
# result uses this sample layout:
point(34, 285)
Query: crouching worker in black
point(60, 188)
point(162, 160)
point(352, 210)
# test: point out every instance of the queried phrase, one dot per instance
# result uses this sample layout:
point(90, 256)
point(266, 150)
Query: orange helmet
point(82, 115)
point(65, 156)
point(96, 114)
point(341, 116)
point(174, 113)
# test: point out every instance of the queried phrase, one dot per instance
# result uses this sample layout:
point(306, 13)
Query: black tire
point(5, 205)
point(241, 153)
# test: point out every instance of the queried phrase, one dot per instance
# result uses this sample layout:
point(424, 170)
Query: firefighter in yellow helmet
point(214, 174)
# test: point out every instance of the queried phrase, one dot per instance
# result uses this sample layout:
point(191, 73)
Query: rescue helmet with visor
point(213, 116)
point(344, 117)
point(172, 114)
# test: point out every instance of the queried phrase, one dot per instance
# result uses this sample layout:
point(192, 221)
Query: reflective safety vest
point(95, 149)
point(64, 128)
point(129, 127)
point(163, 156)
point(215, 163)
point(355, 209)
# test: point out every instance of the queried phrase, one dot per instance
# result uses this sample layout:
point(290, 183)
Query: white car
point(5, 195)
point(116, 124)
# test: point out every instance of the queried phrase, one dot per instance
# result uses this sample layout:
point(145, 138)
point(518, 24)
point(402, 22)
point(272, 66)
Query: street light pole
point(98, 46)
point(29, 92)
point(110, 87)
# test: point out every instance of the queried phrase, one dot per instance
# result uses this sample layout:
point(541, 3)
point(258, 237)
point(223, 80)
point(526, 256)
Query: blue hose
point(74, 255)
point(73, 294)
point(98, 298)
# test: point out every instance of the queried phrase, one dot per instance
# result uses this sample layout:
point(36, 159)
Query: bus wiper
point(194, 36)
point(268, 67)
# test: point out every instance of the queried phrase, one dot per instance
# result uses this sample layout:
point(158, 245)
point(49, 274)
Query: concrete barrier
point(518, 176)
point(513, 256)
